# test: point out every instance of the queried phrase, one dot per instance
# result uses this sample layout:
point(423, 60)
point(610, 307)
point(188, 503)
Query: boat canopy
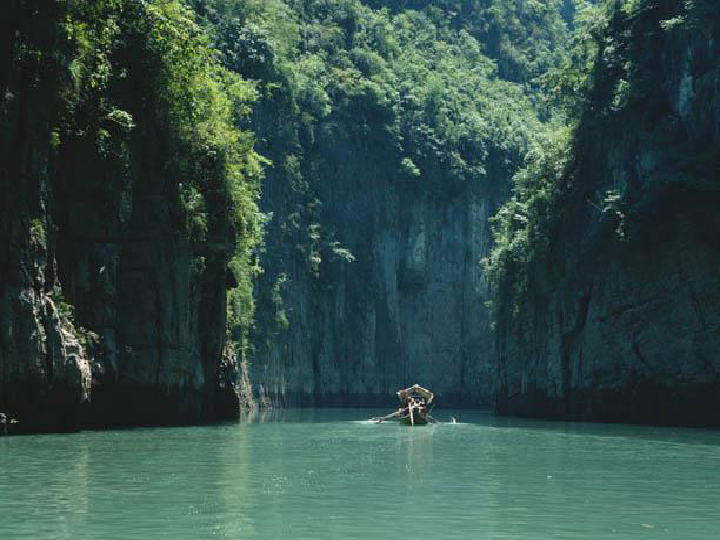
point(416, 391)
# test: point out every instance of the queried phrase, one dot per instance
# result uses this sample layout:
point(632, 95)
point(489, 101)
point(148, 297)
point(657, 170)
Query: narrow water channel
point(325, 474)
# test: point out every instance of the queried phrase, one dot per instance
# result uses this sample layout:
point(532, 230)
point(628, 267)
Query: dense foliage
point(522, 227)
point(414, 79)
point(602, 79)
point(119, 72)
point(432, 87)
point(432, 90)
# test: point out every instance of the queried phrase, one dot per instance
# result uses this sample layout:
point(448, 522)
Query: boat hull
point(418, 421)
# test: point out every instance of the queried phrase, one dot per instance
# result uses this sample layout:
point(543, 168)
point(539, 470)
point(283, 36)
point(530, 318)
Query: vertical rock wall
point(45, 375)
point(409, 308)
point(620, 320)
point(109, 313)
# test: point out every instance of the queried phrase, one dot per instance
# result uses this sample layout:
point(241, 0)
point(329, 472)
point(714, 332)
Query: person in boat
point(421, 409)
point(415, 396)
point(3, 424)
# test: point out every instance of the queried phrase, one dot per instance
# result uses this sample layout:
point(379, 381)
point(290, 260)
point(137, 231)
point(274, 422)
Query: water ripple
point(323, 474)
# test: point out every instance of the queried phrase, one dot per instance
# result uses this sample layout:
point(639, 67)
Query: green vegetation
point(38, 236)
point(438, 82)
point(125, 74)
point(432, 93)
point(523, 226)
point(523, 37)
point(601, 83)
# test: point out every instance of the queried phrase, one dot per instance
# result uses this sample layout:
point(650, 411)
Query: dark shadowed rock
point(621, 318)
point(109, 312)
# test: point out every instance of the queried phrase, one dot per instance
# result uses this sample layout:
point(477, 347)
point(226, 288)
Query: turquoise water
point(323, 474)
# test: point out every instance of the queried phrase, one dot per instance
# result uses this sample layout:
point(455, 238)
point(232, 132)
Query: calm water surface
point(324, 474)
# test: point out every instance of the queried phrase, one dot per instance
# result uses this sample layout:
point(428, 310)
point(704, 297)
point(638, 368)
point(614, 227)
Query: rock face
point(45, 375)
point(109, 313)
point(157, 308)
point(621, 318)
point(407, 307)
point(372, 276)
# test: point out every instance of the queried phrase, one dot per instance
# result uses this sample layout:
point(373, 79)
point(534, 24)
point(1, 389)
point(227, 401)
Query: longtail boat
point(415, 406)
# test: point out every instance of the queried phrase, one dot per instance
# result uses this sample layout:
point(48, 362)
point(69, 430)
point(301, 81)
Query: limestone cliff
point(393, 129)
point(408, 307)
point(111, 310)
point(617, 318)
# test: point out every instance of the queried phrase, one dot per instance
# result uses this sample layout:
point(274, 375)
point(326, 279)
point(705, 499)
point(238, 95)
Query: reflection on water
point(325, 474)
